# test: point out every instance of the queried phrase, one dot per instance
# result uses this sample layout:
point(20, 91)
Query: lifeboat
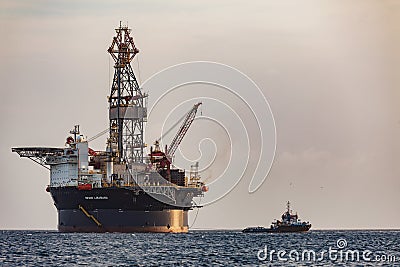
point(85, 187)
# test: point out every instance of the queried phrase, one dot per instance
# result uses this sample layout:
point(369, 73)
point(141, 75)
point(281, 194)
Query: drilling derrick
point(127, 103)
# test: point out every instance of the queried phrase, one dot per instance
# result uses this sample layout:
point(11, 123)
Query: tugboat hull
point(280, 229)
point(289, 229)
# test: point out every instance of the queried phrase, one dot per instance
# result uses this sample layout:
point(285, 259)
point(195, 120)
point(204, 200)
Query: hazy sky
point(329, 69)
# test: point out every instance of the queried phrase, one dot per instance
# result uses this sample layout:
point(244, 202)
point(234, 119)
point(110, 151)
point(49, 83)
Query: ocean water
point(200, 248)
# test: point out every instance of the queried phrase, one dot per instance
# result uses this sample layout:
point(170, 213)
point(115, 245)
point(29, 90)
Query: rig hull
point(116, 210)
point(115, 220)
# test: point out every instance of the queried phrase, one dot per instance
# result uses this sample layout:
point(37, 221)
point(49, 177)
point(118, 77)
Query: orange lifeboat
point(204, 188)
point(85, 187)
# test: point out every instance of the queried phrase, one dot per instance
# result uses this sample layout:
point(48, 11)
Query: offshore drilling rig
point(120, 189)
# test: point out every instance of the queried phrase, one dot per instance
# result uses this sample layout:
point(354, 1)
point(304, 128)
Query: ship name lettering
point(95, 197)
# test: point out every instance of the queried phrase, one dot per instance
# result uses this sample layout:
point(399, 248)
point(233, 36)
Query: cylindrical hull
point(114, 220)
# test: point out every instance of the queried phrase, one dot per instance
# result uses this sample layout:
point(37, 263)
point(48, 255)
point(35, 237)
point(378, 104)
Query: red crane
point(163, 159)
point(182, 130)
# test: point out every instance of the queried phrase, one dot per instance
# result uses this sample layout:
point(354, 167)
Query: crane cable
point(172, 127)
point(98, 135)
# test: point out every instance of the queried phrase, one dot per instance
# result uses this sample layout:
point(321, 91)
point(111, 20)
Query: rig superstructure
point(120, 189)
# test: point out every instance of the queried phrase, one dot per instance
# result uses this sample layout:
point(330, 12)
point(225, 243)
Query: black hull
point(111, 220)
point(289, 229)
point(109, 198)
point(279, 229)
point(116, 209)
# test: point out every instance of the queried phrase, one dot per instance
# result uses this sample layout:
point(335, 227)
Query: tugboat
point(290, 223)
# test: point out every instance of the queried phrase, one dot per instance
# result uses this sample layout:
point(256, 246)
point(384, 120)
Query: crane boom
point(182, 130)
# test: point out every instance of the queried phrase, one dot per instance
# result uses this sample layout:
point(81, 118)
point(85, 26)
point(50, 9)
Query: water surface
point(200, 248)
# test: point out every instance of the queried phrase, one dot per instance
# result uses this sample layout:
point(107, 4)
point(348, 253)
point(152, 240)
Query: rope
point(109, 73)
point(138, 67)
point(197, 213)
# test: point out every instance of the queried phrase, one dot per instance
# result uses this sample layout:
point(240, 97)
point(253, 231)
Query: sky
point(329, 70)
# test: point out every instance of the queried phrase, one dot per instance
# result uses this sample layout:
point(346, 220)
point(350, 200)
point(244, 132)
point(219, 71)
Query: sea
point(201, 248)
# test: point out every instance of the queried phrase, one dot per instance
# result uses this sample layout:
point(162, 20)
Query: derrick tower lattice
point(127, 103)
